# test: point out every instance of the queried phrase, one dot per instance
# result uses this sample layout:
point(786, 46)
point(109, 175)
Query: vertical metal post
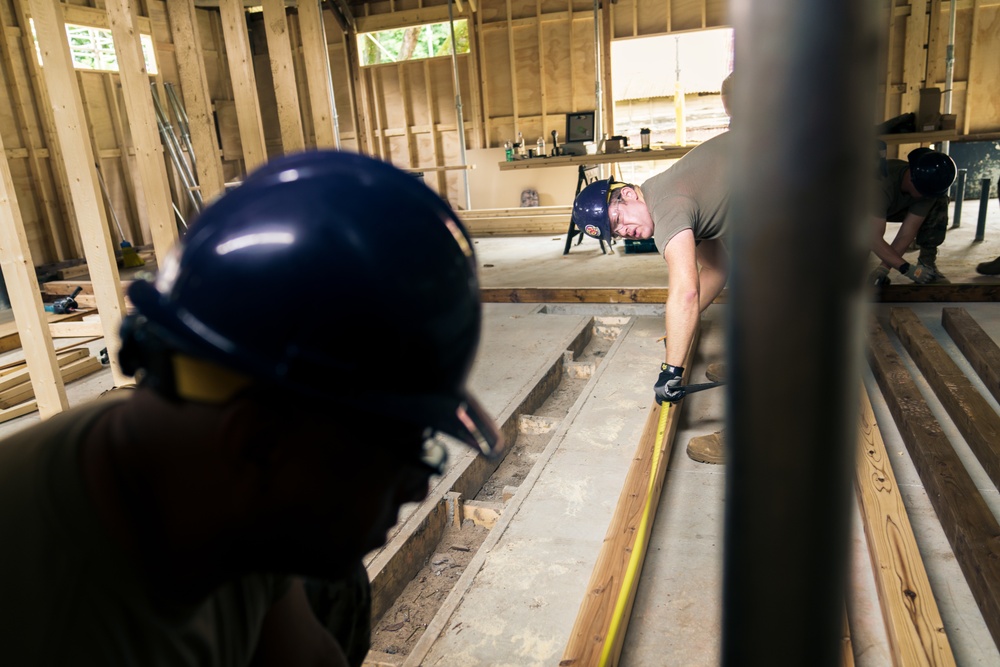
point(795, 329)
point(956, 220)
point(984, 204)
point(458, 109)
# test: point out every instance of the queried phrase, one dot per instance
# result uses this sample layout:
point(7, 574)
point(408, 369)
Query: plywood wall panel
point(496, 68)
point(560, 71)
point(582, 55)
point(717, 13)
point(395, 112)
point(651, 16)
point(983, 100)
point(684, 14)
point(526, 62)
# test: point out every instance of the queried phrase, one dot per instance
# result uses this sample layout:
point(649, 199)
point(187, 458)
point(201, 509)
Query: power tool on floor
point(64, 305)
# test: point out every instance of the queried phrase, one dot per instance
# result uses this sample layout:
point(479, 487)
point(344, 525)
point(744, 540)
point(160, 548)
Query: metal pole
point(949, 68)
point(598, 95)
point(795, 329)
point(956, 218)
point(173, 148)
point(458, 109)
point(984, 204)
point(183, 125)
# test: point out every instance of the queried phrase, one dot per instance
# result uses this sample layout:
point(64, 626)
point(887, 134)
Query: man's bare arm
point(683, 306)
point(292, 635)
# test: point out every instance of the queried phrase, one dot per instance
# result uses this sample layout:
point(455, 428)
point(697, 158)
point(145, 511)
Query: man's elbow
point(685, 296)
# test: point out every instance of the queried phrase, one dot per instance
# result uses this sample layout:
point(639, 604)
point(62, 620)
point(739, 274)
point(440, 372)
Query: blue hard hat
point(931, 172)
point(333, 275)
point(590, 208)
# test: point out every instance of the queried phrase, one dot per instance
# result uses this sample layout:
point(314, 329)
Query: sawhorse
point(581, 182)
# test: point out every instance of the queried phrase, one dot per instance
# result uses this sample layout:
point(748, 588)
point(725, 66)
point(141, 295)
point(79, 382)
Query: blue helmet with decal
point(315, 276)
point(932, 172)
point(590, 208)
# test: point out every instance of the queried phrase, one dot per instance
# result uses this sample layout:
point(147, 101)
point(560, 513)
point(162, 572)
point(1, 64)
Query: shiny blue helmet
point(590, 208)
point(931, 172)
point(315, 276)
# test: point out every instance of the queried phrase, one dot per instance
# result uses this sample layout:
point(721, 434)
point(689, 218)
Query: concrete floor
point(522, 595)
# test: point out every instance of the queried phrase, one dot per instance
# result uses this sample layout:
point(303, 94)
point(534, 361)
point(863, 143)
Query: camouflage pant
point(344, 608)
point(932, 232)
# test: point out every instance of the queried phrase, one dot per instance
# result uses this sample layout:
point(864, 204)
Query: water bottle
point(508, 150)
point(541, 147)
point(522, 149)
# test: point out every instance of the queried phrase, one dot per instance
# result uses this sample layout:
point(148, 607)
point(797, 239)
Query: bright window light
point(94, 48)
point(430, 40)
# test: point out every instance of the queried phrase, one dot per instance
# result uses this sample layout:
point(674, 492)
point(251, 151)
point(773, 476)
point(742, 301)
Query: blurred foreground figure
point(295, 358)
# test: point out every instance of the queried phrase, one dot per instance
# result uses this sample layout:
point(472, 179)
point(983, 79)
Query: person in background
point(282, 416)
point(914, 193)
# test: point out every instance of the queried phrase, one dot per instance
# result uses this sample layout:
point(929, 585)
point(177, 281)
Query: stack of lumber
point(16, 393)
point(525, 221)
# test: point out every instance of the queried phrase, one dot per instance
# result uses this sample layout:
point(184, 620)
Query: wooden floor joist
point(966, 519)
point(982, 351)
point(890, 294)
point(598, 632)
point(912, 620)
point(975, 418)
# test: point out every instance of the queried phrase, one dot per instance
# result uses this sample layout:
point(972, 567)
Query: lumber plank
point(71, 371)
point(26, 302)
point(966, 519)
point(971, 412)
point(912, 619)
point(234, 25)
point(947, 292)
point(22, 375)
point(316, 58)
point(982, 351)
point(76, 329)
point(64, 287)
point(286, 94)
point(599, 629)
point(152, 170)
point(18, 410)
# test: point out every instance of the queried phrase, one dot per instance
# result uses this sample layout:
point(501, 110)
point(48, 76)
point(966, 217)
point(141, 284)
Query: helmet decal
point(592, 230)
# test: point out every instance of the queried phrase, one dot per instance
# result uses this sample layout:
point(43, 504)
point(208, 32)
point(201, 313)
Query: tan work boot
point(708, 448)
point(716, 372)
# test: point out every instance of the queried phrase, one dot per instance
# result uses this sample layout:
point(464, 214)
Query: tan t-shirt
point(69, 595)
point(693, 194)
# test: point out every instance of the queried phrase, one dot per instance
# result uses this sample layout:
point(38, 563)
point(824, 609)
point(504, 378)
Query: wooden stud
point(317, 64)
point(972, 67)
point(142, 124)
point(513, 69)
point(967, 520)
point(25, 299)
point(982, 351)
point(234, 27)
point(18, 87)
point(972, 414)
point(118, 126)
point(67, 106)
point(912, 619)
point(406, 95)
point(286, 93)
point(599, 629)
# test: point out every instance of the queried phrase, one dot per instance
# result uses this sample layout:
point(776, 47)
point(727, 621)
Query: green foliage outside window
point(424, 41)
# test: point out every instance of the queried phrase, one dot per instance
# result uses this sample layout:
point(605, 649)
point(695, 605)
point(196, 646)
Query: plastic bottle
point(541, 147)
point(508, 150)
point(520, 142)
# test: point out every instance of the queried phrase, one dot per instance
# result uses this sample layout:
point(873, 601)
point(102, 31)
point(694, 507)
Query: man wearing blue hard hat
point(684, 210)
point(913, 192)
point(296, 356)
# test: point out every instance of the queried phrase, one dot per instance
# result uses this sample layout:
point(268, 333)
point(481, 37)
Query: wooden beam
point(966, 519)
point(286, 93)
point(118, 126)
point(234, 27)
point(972, 414)
point(599, 629)
point(197, 101)
point(955, 292)
point(915, 55)
point(67, 107)
point(142, 123)
point(402, 18)
point(982, 351)
point(75, 329)
point(316, 56)
point(912, 620)
point(25, 299)
point(972, 66)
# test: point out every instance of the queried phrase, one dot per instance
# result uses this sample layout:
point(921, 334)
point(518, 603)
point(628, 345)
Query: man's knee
point(935, 225)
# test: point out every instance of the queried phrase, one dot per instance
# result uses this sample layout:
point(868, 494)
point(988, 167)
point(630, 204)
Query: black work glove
point(667, 387)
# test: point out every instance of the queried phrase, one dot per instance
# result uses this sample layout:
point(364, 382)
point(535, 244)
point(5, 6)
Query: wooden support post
point(972, 414)
point(599, 629)
point(197, 103)
point(912, 620)
point(142, 123)
point(316, 55)
point(26, 300)
point(234, 27)
point(68, 115)
point(286, 93)
point(982, 351)
point(915, 55)
point(967, 520)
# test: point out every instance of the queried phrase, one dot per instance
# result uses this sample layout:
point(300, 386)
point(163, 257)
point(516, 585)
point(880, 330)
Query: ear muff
point(146, 356)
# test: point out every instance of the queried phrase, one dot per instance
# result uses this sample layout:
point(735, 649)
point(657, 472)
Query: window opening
point(430, 40)
point(94, 48)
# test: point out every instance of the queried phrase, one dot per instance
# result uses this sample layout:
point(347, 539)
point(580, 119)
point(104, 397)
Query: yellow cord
point(638, 548)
